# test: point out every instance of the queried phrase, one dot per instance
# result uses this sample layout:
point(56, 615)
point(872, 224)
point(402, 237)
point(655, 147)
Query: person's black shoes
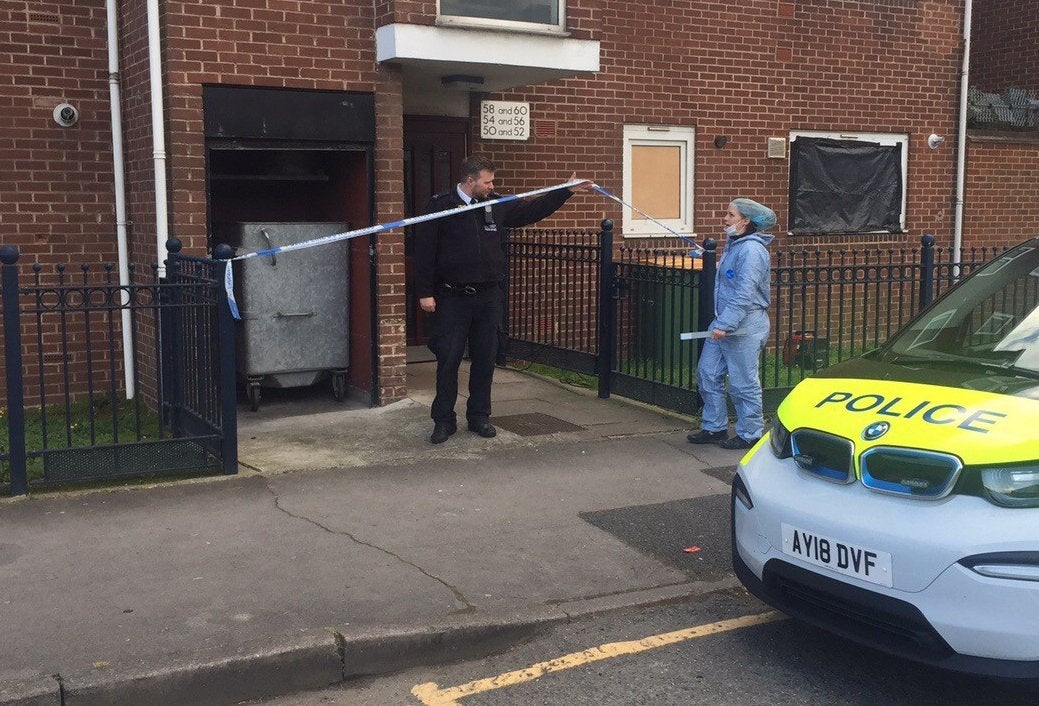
point(738, 442)
point(484, 429)
point(442, 430)
point(708, 437)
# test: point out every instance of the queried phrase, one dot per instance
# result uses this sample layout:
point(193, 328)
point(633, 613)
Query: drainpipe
point(158, 134)
point(961, 139)
point(119, 176)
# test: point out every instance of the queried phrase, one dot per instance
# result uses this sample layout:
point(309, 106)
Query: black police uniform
point(460, 261)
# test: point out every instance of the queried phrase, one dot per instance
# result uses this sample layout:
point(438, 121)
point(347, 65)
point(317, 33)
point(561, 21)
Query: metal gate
point(64, 357)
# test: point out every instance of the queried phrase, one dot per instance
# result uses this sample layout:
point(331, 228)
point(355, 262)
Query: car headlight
point(779, 439)
point(1012, 486)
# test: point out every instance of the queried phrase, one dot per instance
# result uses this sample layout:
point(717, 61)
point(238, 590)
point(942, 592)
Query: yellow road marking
point(431, 694)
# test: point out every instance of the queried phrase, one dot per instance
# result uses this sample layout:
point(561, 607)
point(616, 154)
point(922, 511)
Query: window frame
point(682, 136)
point(514, 25)
point(882, 138)
point(886, 139)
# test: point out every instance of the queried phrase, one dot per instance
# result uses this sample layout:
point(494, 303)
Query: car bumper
point(937, 611)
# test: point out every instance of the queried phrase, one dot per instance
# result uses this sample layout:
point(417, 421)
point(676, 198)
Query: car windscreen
point(990, 319)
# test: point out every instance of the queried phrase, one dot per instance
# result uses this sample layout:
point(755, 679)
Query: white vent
point(777, 148)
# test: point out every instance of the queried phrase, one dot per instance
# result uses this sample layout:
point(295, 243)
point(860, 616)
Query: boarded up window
point(656, 180)
point(845, 186)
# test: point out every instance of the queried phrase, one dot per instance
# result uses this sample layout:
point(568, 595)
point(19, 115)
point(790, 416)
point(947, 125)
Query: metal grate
point(928, 475)
point(544, 128)
point(100, 462)
point(534, 424)
point(825, 455)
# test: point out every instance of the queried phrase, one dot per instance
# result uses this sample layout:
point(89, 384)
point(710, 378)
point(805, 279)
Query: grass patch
point(72, 429)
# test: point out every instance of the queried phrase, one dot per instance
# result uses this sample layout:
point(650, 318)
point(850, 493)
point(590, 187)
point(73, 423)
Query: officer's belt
point(470, 288)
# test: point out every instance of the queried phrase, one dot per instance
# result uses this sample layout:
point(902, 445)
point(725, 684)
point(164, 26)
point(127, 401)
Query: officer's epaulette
point(441, 195)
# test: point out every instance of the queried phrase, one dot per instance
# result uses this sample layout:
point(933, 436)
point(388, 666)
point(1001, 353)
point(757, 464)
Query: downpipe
point(158, 135)
point(961, 139)
point(119, 177)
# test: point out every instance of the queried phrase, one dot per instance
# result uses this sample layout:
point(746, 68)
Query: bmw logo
point(875, 430)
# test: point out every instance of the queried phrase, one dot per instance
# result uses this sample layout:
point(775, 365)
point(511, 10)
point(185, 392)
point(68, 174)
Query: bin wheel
point(254, 396)
point(339, 386)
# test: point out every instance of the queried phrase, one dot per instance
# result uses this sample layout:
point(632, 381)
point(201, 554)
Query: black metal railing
point(657, 295)
point(66, 359)
point(827, 306)
point(553, 300)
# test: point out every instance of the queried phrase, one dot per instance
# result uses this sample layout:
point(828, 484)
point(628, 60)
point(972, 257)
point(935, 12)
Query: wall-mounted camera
point(65, 114)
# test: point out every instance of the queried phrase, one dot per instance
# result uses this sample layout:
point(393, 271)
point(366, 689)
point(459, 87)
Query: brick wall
point(750, 73)
point(390, 298)
point(1002, 191)
point(56, 191)
point(293, 44)
point(416, 12)
point(1004, 44)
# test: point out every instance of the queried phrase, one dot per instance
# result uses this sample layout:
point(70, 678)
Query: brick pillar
point(389, 205)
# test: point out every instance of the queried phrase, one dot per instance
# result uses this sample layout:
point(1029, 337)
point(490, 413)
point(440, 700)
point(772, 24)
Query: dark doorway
point(434, 149)
point(297, 157)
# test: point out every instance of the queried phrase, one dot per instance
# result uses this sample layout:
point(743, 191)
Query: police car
point(895, 500)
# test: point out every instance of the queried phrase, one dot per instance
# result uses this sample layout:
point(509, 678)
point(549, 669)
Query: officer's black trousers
point(465, 318)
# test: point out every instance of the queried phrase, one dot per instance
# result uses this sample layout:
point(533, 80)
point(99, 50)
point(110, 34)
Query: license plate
point(844, 558)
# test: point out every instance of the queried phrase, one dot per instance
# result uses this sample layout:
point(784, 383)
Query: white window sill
point(505, 26)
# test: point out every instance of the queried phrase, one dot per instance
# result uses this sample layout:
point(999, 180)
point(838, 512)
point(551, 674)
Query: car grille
point(825, 455)
point(870, 617)
point(920, 474)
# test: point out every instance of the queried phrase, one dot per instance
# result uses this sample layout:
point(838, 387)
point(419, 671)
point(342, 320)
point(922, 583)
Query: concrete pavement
point(387, 552)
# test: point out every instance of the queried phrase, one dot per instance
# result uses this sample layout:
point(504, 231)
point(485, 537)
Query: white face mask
point(732, 231)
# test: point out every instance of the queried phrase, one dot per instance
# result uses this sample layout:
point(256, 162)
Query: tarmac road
point(758, 657)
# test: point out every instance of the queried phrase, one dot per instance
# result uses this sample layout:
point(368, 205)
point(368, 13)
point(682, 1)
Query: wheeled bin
point(295, 308)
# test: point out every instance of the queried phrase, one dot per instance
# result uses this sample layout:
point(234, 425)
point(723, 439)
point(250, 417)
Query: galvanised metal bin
point(295, 327)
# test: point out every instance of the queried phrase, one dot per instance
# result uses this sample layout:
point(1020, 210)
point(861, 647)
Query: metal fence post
point(926, 271)
point(705, 312)
point(607, 310)
point(226, 376)
point(13, 361)
point(172, 315)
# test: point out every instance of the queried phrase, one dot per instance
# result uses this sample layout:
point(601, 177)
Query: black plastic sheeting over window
point(844, 186)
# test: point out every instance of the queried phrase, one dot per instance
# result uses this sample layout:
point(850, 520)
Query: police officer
point(459, 267)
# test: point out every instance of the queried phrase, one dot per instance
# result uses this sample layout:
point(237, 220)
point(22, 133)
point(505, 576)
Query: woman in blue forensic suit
point(738, 331)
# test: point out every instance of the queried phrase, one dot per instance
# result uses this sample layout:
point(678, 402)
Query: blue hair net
point(762, 217)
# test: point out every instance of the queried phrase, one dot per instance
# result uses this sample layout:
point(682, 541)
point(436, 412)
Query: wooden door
point(434, 149)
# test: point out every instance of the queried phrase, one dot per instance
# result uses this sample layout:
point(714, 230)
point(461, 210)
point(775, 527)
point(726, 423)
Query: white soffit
point(485, 52)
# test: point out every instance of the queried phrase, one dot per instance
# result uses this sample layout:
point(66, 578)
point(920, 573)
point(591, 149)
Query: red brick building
point(1002, 193)
point(353, 112)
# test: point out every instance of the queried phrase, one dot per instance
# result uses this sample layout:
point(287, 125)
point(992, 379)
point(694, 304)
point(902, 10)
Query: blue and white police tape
point(371, 230)
point(697, 251)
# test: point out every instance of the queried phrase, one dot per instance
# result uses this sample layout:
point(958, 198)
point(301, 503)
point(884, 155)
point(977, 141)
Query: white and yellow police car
point(895, 500)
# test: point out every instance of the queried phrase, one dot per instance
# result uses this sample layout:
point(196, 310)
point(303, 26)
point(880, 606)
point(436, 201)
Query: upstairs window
point(847, 183)
point(536, 15)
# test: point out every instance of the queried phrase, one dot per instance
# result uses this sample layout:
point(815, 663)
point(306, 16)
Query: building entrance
point(434, 149)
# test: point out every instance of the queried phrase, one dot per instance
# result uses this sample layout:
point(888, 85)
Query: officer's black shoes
point(484, 429)
point(738, 442)
point(707, 437)
point(442, 430)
